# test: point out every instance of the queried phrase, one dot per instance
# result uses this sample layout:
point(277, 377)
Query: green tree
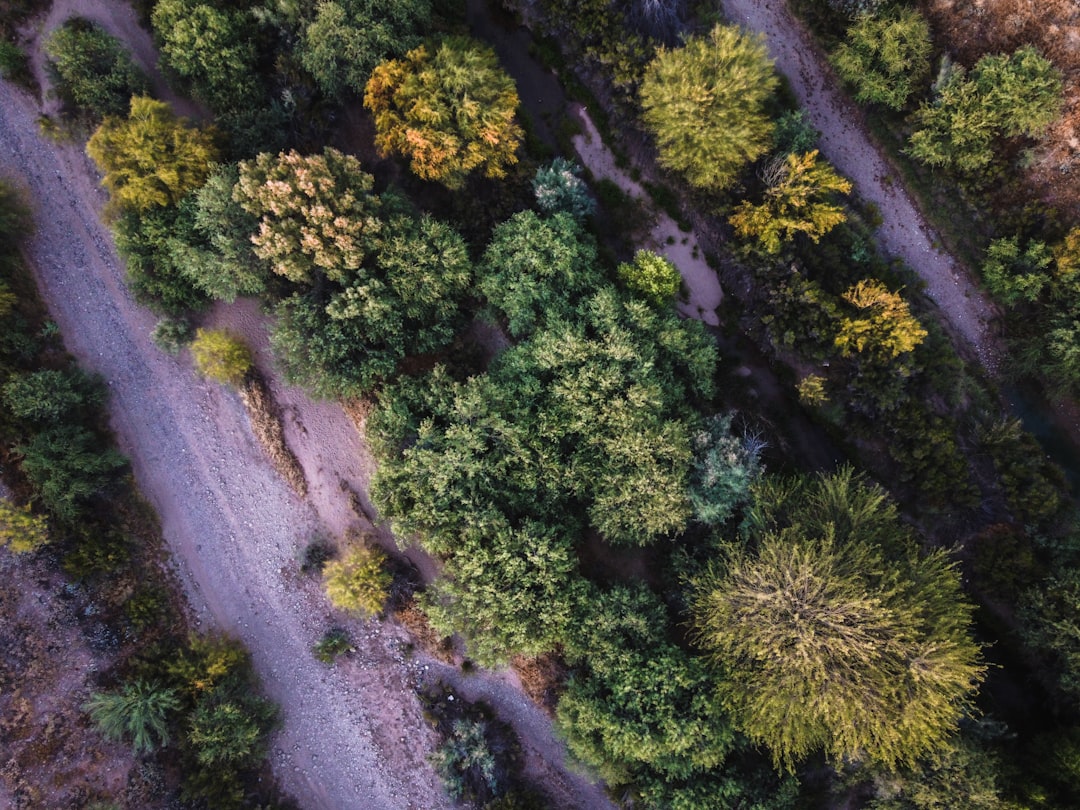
point(227, 730)
point(20, 529)
point(221, 356)
point(885, 326)
point(151, 158)
point(1051, 613)
point(725, 466)
point(1004, 97)
point(91, 71)
point(158, 274)
point(465, 757)
point(1014, 275)
point(885, 58)
point(705, 104)
point(536, 268)
point(359, 581)
point(348, 38)
point(49, 396)
point(69, 466)
point(651, 276)
point(139, 712)
point(797, 200)
point(316, 213)
point(212, 47)
point(448, 108)
point(833, 633)
point(558, 187)
point(507, 591)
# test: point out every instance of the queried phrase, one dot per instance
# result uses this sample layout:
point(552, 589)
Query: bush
point(651, 276)
point(221, 356)
point(20, 529)
point(359, 582)
point(50, 396)
point(559, 188)
point(139, 712)
point(171, 334)
point(335, 642)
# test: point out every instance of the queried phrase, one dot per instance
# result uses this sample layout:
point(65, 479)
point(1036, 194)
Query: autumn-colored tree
point(651, 276)
point(448, 108)
point(359, 582)
point(834, 633)
point(704, 103)
point(797, 200)
point(221, 356)
point(152, 157)
point(20, 529)
point(317, 215)
point(885, 57)
point(885, 325)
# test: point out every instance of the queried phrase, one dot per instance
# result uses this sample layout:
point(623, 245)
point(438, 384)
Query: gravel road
point(904, 234)
point(352, 736)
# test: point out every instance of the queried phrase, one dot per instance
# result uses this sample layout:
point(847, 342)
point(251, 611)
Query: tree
point(1005, 97)
point(69, 466)
point(1014, 275)
point(91, 71)
point(317, 215)
point(151, 158)
point(49, 396)
point(359, 582)
point(212, 47)
point(20, 529)
point(139, 711)
point(348, 38)
point(724, 468)
point(705, 104)
point(448, 108)
point(885, 57)
point(536, 268)
point(796, 201)
point(227, 730)
point(885, 327)
point(833, 633)
point(221, 356)
point(1050, 612)
point(558, 187)
point(507, 591)
point(651, 276)
point(465, 757)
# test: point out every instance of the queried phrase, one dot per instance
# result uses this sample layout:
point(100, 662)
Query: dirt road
point(352, 736)
point(904, 233)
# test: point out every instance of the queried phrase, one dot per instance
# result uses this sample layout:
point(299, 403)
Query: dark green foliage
point(886, 58)
point(1014, 275)
point(535, 269)
point(466, 763)
point(334, 642)
point(172, 334)
point(1033, 486)
point(794, 134)
point(69, 466)
point(92, 73)
point(506, 591)
point(346, 39)
point(49, 397)
point(228, 728)
point(1004, 97)
point(1051, 614)
point(145, 241)
point(14, 63)
point(138, 712)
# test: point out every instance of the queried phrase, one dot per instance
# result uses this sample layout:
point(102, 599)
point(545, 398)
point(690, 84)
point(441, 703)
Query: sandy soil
point(352, 736)
point(904, 234)
point(703, 293)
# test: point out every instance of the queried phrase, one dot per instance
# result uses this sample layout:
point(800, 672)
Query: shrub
point(139, 712)
point(359, 582)
point(171, 334)
point(335, 642)
point(49, 396)
point(20, 529)
point(221, 356)
point(651, 276)
point(558, 187)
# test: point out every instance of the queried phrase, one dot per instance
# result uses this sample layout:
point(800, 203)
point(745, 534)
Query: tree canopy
point(833, 633)
point(152, 157)
point(705, 104)
point(448, 108)
point(886, 57)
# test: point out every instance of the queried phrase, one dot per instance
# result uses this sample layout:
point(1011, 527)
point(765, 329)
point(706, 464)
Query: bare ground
point(352, 736)
point(905, 234)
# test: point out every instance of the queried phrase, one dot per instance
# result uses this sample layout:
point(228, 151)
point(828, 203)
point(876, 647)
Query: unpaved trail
point(904, 234)
point(352, 736)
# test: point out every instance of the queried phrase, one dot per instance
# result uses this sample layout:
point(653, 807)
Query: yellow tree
point(448, 108)
point(885, 325)
point(20, 529)
point(359, 582)
point(796, 201)
point(221, 356)
point(152, 157)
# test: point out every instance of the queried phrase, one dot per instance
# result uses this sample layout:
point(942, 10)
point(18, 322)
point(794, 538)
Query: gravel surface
point(352, 735)
point(904, 234)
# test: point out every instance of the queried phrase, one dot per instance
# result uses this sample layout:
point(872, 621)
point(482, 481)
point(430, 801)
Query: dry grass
point(413, 619)
point(543, 678)
point(972, 28)
point(358, 411)
point(266, 425)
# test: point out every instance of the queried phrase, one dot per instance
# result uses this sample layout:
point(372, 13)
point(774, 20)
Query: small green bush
point(359, 582)
point(221, 356)
point(171, 334)
point(335, 642)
